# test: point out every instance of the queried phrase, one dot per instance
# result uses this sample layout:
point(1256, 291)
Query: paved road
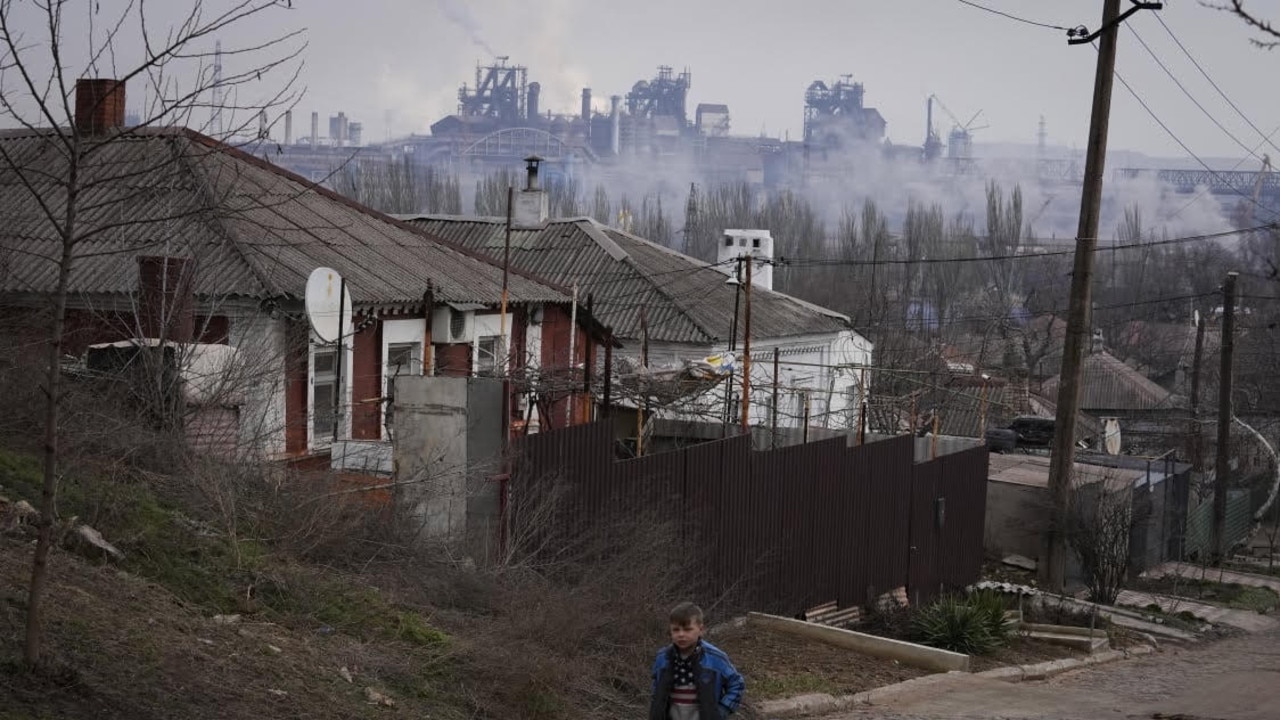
point(1234, 679)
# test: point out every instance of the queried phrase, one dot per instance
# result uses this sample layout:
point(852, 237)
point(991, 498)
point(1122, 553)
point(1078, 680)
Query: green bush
point(957, 624)
point(991, 606)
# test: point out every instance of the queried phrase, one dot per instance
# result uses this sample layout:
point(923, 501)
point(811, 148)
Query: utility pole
point(1053, 565)
point(1197, 432)
point(1222, 468)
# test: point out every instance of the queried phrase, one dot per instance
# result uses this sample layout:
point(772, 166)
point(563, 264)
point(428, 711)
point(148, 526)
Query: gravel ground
point(1232, 679)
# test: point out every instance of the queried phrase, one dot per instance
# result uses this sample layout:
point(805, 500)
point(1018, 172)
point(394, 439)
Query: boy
point(693, 679)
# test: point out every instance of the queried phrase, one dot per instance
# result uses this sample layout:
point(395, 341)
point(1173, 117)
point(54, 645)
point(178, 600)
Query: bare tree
point(1100, 521)
point(1236, 7)
point(68, 170)
point(398, 187)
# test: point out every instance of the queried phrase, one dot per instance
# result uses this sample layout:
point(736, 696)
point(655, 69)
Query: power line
point(1185, 51)
point(1182, 144)
point(1014, 17)
point(788, 262)
point(1187, 92)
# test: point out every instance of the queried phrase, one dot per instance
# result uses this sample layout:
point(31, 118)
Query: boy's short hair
point(686, 613)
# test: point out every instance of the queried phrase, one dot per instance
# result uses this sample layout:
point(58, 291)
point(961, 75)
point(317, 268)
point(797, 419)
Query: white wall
point(262, 348)
point(826, 367)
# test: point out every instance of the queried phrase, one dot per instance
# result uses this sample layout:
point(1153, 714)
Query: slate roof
point(1107, 383)
point(255, 230)
point(685, 299)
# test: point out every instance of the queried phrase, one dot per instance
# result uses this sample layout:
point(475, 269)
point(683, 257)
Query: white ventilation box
point(451, 325)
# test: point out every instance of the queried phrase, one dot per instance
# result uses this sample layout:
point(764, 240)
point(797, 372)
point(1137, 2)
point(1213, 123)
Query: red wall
point(90, 327)
point(296, 388)
point(453, 360)
point(556, 322)
point(366, 384)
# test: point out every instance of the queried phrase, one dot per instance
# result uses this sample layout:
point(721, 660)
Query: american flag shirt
point(684, 690)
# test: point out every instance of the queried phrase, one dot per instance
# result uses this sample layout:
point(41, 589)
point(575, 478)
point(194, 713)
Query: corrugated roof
point(684, 300)
point(1107, 383)
point(255, 230)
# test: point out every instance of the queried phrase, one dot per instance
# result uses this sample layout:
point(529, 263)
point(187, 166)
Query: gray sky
point(408, 58)
point(402, 61)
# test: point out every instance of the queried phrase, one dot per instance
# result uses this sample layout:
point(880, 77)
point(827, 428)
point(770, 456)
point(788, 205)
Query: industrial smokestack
point(315, 128)
point(615, 124)
point(262, 124)
point(535, 90)
point(586, 105)
point(288, 127)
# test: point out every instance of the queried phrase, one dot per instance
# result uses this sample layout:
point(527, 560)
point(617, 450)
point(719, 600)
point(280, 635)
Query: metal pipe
point(746, 356)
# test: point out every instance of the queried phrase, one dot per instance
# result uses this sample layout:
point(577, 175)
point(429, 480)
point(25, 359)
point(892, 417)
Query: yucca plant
point(991, 606)
point(953, 623)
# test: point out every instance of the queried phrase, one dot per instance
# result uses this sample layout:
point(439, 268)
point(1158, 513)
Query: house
point(668, 310)
point(184, 239)
point(1151, 418)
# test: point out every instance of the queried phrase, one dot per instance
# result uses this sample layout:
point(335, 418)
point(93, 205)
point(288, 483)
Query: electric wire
point(1013, 17)
point(1183, 145)
point(1187, 92)
point(1185, 51)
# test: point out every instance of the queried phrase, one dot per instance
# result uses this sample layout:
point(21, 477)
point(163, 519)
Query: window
point(324, 393)
point(457, 324)
point(755, 242)
point(487, 355)
point(402, 359)
point(728, 242)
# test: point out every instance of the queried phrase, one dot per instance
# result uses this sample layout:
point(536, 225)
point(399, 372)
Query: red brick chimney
point(165, 297)
point(99, 105)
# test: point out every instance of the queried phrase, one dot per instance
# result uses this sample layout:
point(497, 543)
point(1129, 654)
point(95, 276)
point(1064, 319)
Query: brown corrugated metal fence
point(793, 527)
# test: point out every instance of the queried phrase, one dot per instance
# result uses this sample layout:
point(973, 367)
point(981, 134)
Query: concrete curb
point(1041, 671)
point(823, 703)
point(919, 656)
point(816, 703)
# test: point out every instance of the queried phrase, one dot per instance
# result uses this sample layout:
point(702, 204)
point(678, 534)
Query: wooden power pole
point(1222, 466)
point(1197, 432)
point(1053, 564)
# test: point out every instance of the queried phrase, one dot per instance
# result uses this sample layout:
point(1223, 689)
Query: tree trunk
point(53, 381)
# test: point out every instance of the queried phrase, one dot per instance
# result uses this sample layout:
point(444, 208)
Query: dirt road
point(1235, 679)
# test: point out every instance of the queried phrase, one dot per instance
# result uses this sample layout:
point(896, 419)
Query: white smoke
point(459, 14)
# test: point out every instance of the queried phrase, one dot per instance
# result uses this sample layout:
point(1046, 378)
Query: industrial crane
point(961, 137)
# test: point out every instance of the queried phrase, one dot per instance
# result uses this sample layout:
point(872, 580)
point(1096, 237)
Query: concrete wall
point(806, 366)
point(924, 447)
point(484, 461)
point(431, 453)
point(1017, 518)
point(448, 443)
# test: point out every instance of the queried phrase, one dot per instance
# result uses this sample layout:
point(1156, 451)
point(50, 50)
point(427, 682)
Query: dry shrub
point(576, 613)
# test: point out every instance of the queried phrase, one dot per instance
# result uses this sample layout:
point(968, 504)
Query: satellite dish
point(1111, 436)
point(329, 317)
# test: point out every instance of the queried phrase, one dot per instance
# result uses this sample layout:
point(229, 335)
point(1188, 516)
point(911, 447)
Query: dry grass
point(538, 635)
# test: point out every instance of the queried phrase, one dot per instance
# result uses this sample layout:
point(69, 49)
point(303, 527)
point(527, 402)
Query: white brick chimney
point(756, 244)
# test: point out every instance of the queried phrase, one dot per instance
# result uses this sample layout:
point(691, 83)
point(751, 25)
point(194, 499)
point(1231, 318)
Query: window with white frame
point(324, 393)
point(487, 349)
point(402, 359)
